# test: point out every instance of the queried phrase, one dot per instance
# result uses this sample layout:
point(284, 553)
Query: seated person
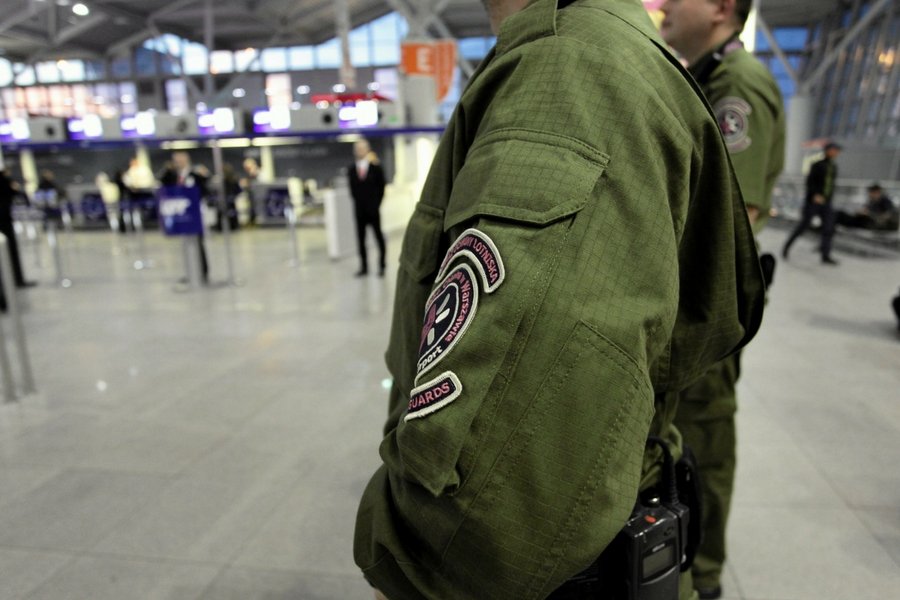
point(879, 213)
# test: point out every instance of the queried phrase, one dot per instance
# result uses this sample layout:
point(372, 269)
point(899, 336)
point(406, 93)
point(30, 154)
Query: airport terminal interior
point(170, 434)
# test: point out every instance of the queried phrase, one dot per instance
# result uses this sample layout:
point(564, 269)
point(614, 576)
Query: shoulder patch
point(448, 313)
point(433, 396)
point(482, 251)
point(733, 117)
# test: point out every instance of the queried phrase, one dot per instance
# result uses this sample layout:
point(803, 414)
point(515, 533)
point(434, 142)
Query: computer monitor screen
point(142, 124)
point(218, 122)
point(271, 120)
point(89, 127)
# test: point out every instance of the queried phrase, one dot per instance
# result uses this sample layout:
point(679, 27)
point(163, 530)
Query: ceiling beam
point(874, 12)
point(22, 16)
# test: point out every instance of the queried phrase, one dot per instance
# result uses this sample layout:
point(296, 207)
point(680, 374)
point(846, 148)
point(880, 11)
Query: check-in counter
point(86, 206)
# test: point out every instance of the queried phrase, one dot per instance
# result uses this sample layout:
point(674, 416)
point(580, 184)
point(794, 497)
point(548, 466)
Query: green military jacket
point(750, 112)
point(579, 252)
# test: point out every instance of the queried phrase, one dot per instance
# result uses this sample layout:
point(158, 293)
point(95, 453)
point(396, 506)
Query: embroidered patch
point(433, 396)
point(733, 116)
point(483, 252)
point(448, 313)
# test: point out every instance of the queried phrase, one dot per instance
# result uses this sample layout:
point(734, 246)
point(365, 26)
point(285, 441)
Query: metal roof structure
point(32, 30)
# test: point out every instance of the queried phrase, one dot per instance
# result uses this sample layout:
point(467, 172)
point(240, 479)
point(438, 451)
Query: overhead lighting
point(374, 86)
point(303, 89)
point(239, 92)
point(81, 10)
point(340, 88)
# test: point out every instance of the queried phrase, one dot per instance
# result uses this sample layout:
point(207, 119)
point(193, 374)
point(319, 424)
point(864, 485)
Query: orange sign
point(431, 59)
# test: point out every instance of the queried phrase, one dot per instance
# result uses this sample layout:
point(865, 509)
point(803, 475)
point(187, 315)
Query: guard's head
point(874, 190)
point(694, 27)
point(361, 149)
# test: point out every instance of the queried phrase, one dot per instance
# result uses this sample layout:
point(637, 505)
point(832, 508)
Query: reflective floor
point(214, 443)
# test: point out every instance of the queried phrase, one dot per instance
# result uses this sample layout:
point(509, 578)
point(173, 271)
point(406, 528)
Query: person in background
point(820, 185)
point(748, 107)
point(181, 171)
point(879, 213)
point(251, 175)
point(9, 190)
point(232, 189)
point(367, 185)
point(895, 304)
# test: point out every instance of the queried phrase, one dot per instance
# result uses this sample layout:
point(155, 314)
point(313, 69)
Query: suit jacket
point(815, 181)
point(367, 193)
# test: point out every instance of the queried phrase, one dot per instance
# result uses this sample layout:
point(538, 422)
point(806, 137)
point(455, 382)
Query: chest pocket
point(524, 176)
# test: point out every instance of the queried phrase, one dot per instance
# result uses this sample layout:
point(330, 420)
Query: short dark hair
point(742, 11)
point(875, 187)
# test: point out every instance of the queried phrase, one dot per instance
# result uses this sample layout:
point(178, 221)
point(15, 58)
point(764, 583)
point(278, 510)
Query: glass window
point(360, 47)
point(119, 68)
point(194, 59)
point(47, 72)
point(474, 48)
point(389, 28)
point(302, 58)
point(25, 76)
point(221, 61)
point(145, 62)
point(6, 73)
point(36, 99)
point(176, 96)
point(128, 98)
point(278, 90)
point(72, 70)
point(274, 60)
point(94, 70)
point(328, 55)
point(244, 59)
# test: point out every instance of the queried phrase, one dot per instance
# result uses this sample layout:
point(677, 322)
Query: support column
point(266, 165)
point(29, 171)
point(342, 23)
point(799, 130)
point(209, 87)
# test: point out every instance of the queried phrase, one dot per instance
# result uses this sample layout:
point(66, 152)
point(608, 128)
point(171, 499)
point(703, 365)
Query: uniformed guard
point(750, 113)
point(579, 254)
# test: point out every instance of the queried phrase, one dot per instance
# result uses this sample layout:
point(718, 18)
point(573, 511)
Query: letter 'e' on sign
point(430, 59)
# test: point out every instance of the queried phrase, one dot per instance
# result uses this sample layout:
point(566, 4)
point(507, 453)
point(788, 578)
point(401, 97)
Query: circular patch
point(733, 116)
point(448, 313)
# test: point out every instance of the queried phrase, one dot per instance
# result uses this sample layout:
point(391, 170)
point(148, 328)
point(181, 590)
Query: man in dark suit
point(182, 172)
point(367, 188)
point(819, 191)
point(9, 189)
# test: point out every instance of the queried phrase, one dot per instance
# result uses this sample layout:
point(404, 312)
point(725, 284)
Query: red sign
point(431, 59)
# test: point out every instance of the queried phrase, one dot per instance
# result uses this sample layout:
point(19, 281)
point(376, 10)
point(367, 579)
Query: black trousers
point(826, 214)
point(362, 222)
point(10, 233)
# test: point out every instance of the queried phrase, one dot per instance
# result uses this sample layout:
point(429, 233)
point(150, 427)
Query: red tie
point(361, 172)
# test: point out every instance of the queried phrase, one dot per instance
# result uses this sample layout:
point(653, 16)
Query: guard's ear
point(724, 12)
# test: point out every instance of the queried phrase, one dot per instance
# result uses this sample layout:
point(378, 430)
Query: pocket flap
point(526, 176)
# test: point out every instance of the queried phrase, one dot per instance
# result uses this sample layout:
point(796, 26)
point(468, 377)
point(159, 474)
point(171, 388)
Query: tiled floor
point(213, 444)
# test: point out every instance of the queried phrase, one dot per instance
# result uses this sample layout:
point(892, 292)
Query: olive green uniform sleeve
point(750, 112)
point(537, 306)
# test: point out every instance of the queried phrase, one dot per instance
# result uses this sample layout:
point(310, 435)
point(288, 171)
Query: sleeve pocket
point(525, 176)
